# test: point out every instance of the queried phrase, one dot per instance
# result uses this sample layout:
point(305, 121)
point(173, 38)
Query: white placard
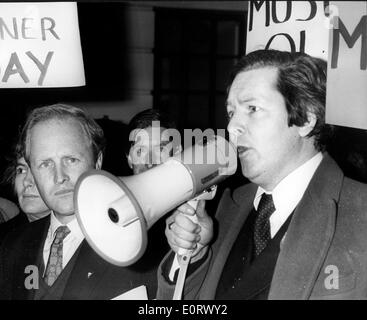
point(346, 96)
point(288, 26)
point(40, 45)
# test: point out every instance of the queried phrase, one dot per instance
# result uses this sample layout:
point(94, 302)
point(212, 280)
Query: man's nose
point(60, 174)
point(28, 180)
point(236, 126)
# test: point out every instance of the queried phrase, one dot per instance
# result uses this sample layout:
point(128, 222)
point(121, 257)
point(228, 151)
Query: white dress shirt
point(288, 192)
point(70, 243)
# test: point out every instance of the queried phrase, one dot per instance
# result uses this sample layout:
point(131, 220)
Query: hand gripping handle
point(184, 255)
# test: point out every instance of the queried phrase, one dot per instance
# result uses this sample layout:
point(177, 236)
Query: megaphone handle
point(184, 257)
point(183, 261)
point(194, 204)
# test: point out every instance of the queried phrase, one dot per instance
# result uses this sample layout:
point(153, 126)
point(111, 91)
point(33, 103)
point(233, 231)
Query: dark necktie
point(54, 264)
point(262, 223)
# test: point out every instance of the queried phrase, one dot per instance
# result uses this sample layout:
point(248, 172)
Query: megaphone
point(115, 213)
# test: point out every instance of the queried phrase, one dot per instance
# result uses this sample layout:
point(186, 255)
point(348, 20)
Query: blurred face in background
point(151, 147)
point(29, 198)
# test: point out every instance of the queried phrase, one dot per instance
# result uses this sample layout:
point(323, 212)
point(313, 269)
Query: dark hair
point(145, 118)
point(302, 83)
point(16, 153)
point(92, 130)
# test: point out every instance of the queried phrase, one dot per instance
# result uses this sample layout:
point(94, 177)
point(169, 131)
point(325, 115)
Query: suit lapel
point(87, 272)
point(33, 254)
point(309, 236)
point(235, 212)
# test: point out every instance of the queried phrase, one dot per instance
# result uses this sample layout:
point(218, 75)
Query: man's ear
point(99, 161)
point(309, 125)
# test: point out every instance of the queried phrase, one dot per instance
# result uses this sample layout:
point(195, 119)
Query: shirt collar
point(290, 190)
point(73, 226)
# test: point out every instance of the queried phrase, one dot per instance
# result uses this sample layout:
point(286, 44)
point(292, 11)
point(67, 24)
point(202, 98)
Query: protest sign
point(40, 45)
point(346, 97)
point(289, 26)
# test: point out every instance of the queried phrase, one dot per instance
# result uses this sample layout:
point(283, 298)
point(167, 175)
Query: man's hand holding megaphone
point(183, 233)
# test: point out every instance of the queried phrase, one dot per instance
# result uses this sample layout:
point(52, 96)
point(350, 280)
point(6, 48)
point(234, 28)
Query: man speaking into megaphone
point(298, 230)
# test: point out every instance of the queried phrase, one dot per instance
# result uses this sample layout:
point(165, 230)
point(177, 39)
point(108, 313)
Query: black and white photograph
point(183, 150)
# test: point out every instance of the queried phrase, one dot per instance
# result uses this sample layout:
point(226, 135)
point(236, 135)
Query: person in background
point(150, 145)
point(150, 141)
point(32, 207)
point(29, 199)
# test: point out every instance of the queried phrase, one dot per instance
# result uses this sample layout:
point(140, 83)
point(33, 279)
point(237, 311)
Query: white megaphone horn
point(115, 213)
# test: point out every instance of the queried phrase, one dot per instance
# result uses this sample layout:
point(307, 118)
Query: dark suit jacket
point(19, 220)
point(8, 210)
point(91, 277)
point(323, 254)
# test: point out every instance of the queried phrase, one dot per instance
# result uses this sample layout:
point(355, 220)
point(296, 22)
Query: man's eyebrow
point(246, 100)
point(21, 164)
point(74, 155)
point(43, 160)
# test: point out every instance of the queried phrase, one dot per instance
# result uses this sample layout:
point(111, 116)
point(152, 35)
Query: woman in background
point(30, 202)
point(29, 199)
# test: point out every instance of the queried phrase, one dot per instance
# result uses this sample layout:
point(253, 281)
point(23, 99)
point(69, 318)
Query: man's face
point(59, 153)
point(29, 198)
point(267, 147)
point(151, 147)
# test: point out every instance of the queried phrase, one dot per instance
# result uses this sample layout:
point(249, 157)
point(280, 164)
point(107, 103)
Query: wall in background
point(138, 23)
point(240, 5)
point(138, 44)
